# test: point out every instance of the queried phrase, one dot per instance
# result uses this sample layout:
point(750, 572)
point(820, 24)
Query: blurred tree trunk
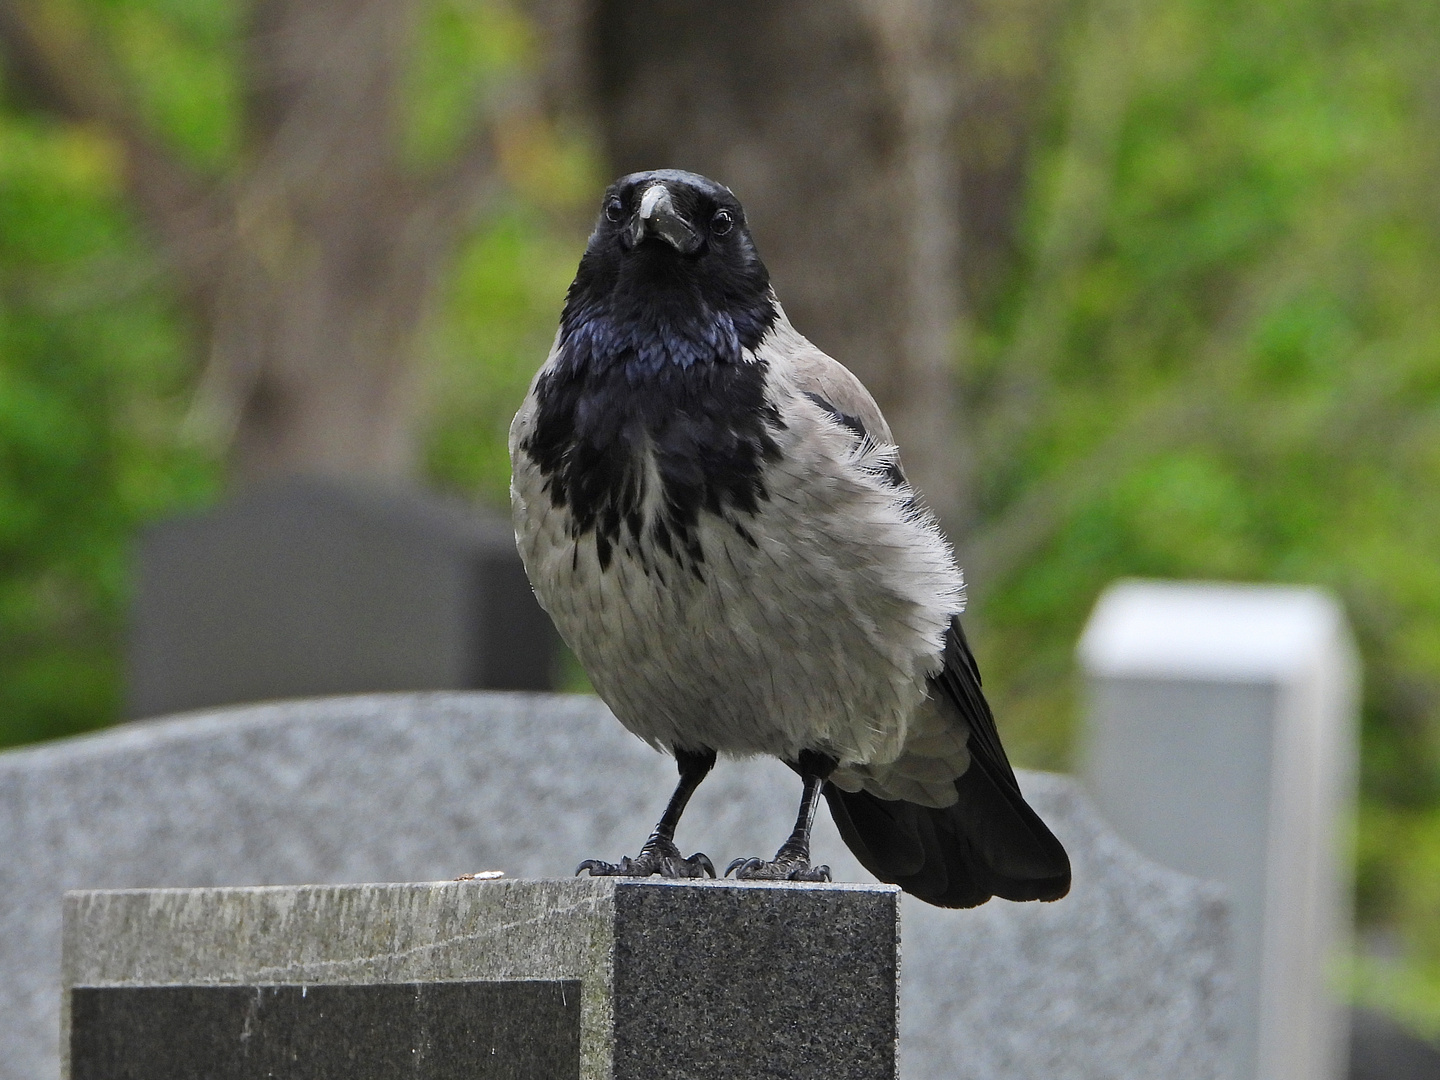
point(309, 266)
point(850, 132)
point(832, 122)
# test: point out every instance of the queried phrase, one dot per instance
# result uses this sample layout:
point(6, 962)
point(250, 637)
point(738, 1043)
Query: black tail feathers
point(989, 843)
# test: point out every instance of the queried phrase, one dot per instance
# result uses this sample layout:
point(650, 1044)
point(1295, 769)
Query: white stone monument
point(1221, 741)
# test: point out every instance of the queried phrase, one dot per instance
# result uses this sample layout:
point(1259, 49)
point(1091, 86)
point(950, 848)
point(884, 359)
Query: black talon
point(792, 861)
point(701, 860)
point(786, 866)
point(697, 866)
point(744, 867)
point(660, 855)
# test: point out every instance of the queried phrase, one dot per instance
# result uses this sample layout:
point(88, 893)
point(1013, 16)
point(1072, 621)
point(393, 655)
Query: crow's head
point(671, 254)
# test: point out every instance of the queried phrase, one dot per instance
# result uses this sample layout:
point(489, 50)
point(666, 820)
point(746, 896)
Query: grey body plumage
point(715, 515)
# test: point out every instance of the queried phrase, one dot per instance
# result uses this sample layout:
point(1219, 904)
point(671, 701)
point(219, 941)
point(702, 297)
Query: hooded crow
point(716, 517)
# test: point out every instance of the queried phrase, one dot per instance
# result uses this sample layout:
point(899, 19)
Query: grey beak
point(657, 217)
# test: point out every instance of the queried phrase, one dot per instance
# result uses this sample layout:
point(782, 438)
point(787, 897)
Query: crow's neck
point(651, 324)
point(649, 347)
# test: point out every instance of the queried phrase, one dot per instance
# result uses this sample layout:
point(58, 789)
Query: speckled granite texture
point(678, 981)
point(1123, 979)
point(472, 1030)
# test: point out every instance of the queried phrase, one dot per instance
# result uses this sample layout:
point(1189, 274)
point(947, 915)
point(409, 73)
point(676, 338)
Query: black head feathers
point(670, 276)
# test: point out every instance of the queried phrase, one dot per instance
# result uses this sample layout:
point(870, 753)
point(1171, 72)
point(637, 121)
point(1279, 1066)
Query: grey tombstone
point(312, 586)
point(1221, 741)
point(1125, 979)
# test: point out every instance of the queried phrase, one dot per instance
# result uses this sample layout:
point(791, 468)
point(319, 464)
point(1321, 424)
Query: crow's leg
point(792, 861)
point(660, 855)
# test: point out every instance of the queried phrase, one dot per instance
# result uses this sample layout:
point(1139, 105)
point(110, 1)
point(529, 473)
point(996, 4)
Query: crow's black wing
point(990, 842)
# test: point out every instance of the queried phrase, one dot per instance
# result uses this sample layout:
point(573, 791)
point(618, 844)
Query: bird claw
point(782, 868)
point(656, 857)
point(698, 865)
point(599, 868)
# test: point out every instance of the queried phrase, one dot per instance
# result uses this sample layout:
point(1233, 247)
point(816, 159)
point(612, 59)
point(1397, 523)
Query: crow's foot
point(656, 857)
point(784, 867)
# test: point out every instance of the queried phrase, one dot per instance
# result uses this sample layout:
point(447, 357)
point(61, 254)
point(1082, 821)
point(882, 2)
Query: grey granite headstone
point(536, 980)
point(1125, 978)
point(312, 586)
point(1221, 741)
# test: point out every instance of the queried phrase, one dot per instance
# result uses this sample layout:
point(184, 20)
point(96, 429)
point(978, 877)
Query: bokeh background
point(1147, 288)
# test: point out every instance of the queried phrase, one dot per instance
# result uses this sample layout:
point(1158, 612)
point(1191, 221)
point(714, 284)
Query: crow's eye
point(614, 211)
point(722, 222)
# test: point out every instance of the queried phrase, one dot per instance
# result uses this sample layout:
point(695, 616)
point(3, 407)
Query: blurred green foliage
point(1214, 353)
point(98, 359)
point(180, 62)
point(502, 304)
point(93, 372)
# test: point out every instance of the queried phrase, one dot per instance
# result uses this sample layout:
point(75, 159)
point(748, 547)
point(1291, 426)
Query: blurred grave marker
point(309, 587)
point(1221, 741)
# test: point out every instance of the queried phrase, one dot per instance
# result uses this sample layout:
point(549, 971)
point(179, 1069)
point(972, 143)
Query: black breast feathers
point(688, 417)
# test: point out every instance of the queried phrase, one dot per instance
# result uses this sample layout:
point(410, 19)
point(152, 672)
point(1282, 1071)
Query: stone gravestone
point(521, 980)
point(1125, 978)
point(312, 586)
point(1221, 741)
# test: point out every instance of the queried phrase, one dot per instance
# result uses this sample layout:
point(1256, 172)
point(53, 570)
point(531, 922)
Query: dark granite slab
point(429, 1031)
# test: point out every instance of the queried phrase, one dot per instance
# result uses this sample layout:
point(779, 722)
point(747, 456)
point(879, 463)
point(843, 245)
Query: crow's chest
point(632, 464)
